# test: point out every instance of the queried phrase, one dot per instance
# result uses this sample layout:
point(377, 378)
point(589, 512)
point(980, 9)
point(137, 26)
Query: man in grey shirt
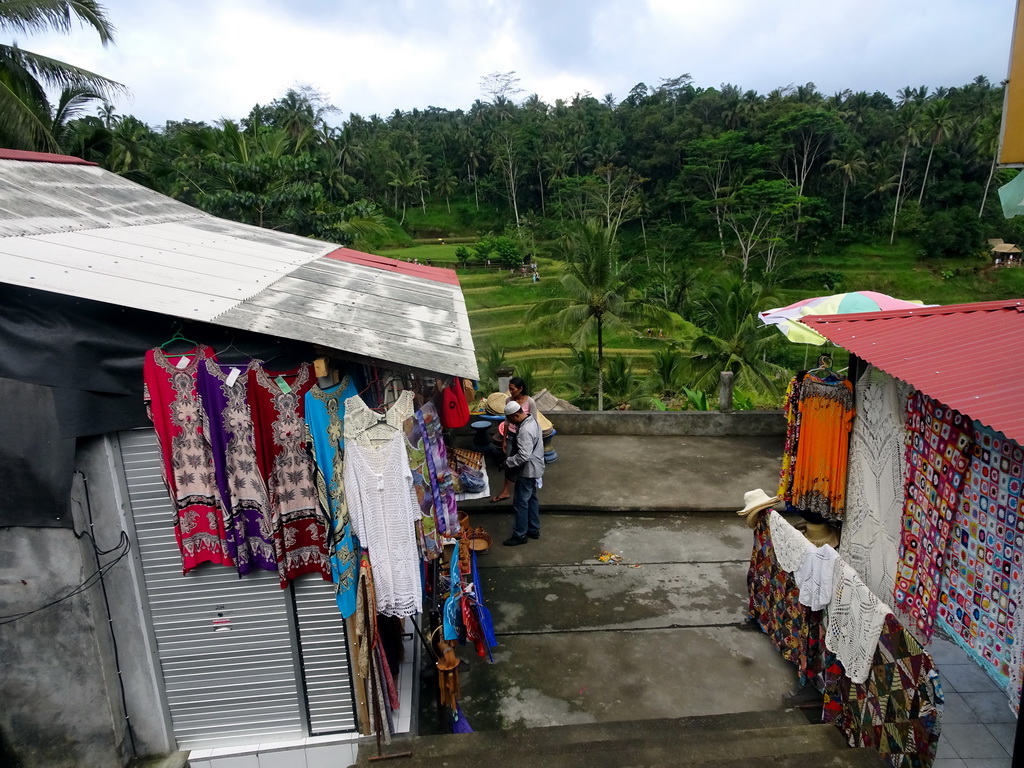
point(529, 455)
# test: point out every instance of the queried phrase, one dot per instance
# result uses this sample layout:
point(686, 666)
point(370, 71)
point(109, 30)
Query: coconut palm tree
point(732, 338)
point(26, 77)
point(938, 123)
point(602, 291)
point(850, 164)
point(906, 125)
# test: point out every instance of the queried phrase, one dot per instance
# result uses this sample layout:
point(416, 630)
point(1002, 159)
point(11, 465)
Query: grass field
point(497, 302)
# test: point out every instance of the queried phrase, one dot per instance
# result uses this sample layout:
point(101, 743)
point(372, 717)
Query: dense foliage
point(755, 178)
point(712, 200)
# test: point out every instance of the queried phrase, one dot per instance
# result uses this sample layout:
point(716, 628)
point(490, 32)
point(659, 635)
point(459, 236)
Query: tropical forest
point(615, 249)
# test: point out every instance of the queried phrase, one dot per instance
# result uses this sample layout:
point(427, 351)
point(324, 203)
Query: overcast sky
point(211, 59)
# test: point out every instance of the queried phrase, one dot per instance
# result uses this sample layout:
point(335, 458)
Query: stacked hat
point(495, 403)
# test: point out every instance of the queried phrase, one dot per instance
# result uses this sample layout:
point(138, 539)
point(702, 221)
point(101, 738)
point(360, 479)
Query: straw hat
point(545, 424)
point(495, 403)
point(755, 501)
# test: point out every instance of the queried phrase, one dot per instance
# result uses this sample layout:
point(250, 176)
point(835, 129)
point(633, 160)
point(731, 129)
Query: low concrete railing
point(668, 423)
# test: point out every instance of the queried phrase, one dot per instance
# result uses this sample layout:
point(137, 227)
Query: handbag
point(454, 408)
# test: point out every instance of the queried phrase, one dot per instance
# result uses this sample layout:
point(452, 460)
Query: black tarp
point(71, 368)
point(91, 354)
point(36, 462)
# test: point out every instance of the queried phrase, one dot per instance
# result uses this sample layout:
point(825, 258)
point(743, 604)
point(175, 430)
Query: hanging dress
point(382, 502)
point(325, 415)
point(819, 473)
point(172, 404)
point(243, 491)
point(300, 536)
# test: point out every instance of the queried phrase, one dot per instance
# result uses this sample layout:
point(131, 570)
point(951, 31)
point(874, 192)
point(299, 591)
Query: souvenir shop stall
point(261, 417)
point(340, 471)
point(905, 477)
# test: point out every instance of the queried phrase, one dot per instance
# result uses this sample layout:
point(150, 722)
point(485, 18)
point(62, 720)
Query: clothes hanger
point(178, 336)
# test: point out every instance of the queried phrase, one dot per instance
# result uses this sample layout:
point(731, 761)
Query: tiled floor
point(978, 727)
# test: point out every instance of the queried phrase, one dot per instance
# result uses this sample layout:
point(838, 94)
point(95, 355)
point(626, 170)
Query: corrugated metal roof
point(81, 231)
point(41, 157)
point(964, 355)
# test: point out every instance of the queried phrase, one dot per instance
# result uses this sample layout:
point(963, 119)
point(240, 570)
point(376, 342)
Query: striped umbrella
point(786, 319)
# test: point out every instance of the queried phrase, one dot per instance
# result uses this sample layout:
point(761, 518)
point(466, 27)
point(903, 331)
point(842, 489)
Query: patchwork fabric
point(897, 710)
point(796, 630)
point(978, 605)
point(938, 449)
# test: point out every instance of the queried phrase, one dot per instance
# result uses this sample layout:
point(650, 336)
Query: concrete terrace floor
point(659, 634)
point(662, 633)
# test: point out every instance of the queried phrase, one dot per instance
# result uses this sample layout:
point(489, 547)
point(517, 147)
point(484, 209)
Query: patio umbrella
point(786, 318)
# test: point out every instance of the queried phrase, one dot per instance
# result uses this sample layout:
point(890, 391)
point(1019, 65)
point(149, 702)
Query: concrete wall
point(59, 682)
point(58, 710)
point(668, 423)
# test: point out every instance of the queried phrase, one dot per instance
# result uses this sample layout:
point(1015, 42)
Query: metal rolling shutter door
point(234, 685)
point(325, 662)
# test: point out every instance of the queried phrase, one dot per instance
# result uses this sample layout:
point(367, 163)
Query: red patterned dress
point(300, 535)
point(187, 462)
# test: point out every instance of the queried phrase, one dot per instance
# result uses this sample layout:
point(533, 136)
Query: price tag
point(182, 363)
point(285, 387)
point(233, 375)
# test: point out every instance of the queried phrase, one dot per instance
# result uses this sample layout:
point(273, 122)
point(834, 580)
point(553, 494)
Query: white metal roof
point(78, 230)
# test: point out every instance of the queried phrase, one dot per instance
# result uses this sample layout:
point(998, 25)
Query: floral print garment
point(227, 422)
point(173, 406)
point(300, 534)
point(325, 417)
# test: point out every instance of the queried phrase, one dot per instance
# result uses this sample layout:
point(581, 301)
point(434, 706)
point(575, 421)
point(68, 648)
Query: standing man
point(529, 454)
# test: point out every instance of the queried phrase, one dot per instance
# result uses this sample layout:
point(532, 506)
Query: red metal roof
point(41, 157)
point(967, 356)
point(439, 274)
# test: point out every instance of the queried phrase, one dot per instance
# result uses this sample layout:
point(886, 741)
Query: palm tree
point(850, 164)
point(25, 77)
point(732, 338)
point(938, 123)
point(668, 371)
point(906, 122)
point(987, 143)
point(445, 185)
point(601, 291)
point(580, 370)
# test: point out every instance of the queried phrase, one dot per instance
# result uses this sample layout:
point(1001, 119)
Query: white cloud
point(203, 61)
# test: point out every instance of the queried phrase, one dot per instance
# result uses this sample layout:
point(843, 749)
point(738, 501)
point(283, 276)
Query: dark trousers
point(526, 507)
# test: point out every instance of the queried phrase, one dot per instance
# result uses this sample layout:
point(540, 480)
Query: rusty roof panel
point(964, 355)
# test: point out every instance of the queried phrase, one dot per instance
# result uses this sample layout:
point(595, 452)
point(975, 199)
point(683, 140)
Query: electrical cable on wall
point(122, 548)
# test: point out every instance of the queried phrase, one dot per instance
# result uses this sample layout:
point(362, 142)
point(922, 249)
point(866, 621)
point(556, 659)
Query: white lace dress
point(382, 502)
point(874, 493)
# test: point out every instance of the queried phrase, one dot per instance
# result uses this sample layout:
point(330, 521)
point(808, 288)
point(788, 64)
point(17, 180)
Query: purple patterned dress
point(249, 530)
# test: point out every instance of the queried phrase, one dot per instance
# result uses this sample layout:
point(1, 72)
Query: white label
point(182, 363)
point(233, 375)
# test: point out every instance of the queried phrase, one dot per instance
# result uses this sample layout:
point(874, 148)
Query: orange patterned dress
point(819, 471)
